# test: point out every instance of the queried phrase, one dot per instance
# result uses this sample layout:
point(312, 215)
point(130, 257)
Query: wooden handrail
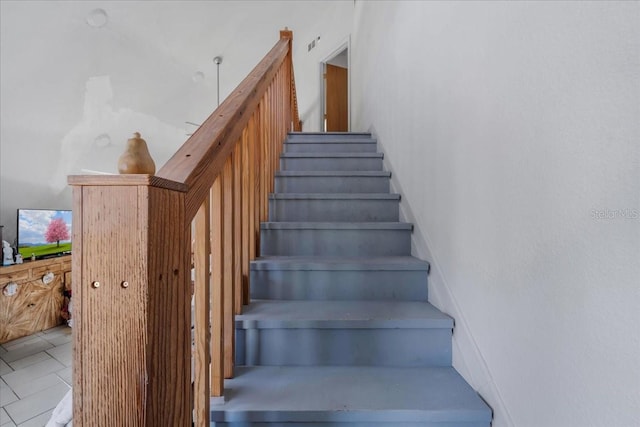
point(202, 156)
point(144, 246)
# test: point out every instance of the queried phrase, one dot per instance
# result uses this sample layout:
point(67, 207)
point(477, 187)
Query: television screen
point(43, 233)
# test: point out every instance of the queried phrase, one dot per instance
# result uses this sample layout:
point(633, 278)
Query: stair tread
point(349, 394)
point(339, 263)
point(328, 133)
point(352, 140)
point(302, 225)
point(282, 173)
point(332, 155)
point(336, 196)
point(262, 314)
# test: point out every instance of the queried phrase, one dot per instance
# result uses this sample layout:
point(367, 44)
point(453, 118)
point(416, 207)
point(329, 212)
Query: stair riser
point(331, 184)
point(348, 424)
point(331, 164)
point(343, 285)
point(335, 242)
point(325, 137)
point(344, 347)
point(333, 210)
point(329, 147)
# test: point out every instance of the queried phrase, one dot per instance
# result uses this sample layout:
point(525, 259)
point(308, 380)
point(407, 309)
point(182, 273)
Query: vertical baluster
point(280, 136)
point(269, 145)
point(279, 107)
point(264, 159)
point(257, 174)
point(276, 103)
point(274, 130)
point(288, 94)
point(286, 98)
point(228, 276)
point(267, 150)
point(237, 227)
point(274, 141)
point(217, 290)
point(253, 202)
point(284, 121)
point(202, 296)
point(269, 162)
point(274, 127)
point(245, 212)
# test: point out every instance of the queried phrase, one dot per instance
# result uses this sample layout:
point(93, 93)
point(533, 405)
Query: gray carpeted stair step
point(351, 145)
point(335, 238)
point(343, 333)
point(339, 331)
point(350, 397)
point(332, 181)
point(331, 161)
point(400, 278)
point(366, 207)
point(327, 136)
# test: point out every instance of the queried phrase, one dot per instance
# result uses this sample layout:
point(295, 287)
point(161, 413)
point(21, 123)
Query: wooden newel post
point(132, 313)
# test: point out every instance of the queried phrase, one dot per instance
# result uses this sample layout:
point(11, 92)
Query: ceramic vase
point(136, 158)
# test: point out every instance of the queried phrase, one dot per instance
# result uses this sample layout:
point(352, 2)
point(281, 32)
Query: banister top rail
point(201, 158)
point(128, 179)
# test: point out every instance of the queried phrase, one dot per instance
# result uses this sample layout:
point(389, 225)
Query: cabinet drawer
point(14, 277)
point(38, 272)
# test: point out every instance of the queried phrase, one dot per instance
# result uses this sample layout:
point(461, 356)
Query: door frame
point(346, 44)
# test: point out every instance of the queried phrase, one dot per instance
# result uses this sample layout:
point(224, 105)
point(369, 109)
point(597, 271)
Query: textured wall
point(513, 133)
point(78, 78)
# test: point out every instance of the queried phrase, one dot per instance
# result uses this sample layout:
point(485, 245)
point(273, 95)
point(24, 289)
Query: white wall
point(71, 94)
point(307, 63)
point(513, 133)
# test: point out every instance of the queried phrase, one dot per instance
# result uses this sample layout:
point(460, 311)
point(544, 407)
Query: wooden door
point(337, 116)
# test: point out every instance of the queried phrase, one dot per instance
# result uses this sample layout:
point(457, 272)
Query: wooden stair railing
point(132, 260)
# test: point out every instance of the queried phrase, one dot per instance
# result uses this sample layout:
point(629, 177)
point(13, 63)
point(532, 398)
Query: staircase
point(339, 331)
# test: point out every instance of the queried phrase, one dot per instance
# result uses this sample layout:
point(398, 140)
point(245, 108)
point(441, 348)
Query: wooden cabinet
point(31, 296)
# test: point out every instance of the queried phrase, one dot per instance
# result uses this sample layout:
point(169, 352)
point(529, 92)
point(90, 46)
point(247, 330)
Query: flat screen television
point(44, 233)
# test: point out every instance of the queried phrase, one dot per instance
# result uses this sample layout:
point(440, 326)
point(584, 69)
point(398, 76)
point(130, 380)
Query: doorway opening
point(335, 91)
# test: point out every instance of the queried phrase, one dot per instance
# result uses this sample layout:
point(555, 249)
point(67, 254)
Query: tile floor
point(35, 374)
